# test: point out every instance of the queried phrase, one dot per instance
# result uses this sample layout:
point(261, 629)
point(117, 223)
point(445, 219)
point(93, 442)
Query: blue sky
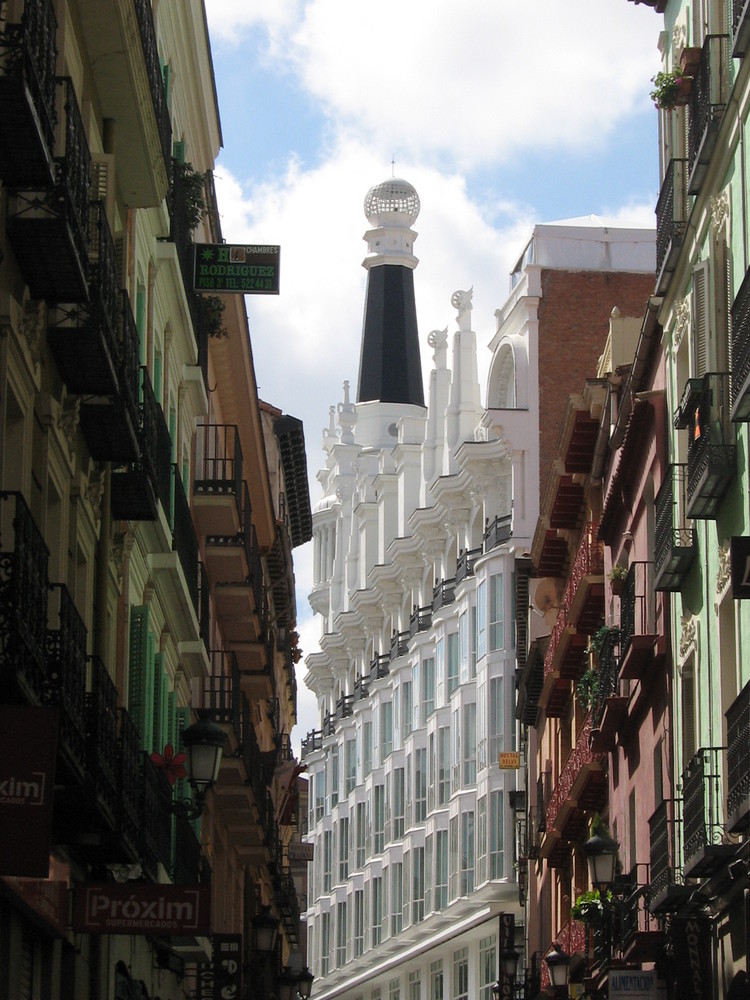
point(501, 114)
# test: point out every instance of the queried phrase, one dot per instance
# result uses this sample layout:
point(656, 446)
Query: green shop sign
point(227, 267)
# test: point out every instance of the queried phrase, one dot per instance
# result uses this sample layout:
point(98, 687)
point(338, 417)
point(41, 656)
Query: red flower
point(173, 764)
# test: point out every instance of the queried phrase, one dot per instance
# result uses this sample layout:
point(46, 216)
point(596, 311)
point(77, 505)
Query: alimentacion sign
point(251, 269)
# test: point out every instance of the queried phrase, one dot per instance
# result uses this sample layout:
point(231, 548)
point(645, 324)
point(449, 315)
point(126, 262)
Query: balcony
point(48, 227)
point(638, 634)
point(580, 788)
point(704, 852)
point(287, 905)
point(708, 100)
point(176, 573)
point(66, 672)
point(740, 28)
point(24, 559)
point(380, 666)
point(156, 818)
point(564, 660)
point(497, 532)
point(674, 538)
point(102, 743)
point(27, 97)
point(641, 938)
point(229, 557)
point(136, 492)
point(610, 705)
point(109, 421)
point(130, 799)
point(399, 644)
point(741, 352)
point(666, 891)
point(420, 620)
point(712, 451)
point(584, 592)
point(121, 44)
point(443, 594)
point(217, 489)
point(672, 212)
point(566, 501)
point(465, 564)
point(221, 694)
point(738, 763)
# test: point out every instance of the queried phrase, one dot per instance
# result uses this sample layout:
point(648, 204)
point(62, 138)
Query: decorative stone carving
point(719, 210)
point(682, 323)
point(94, 493)
point(724, 575)
point(347, 417)
point(461, 301)
point(688, 635)
point(68, 418)
point(31, 329)
point(438, 341)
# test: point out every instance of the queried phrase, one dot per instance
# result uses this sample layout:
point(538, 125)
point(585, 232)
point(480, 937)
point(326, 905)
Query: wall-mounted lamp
point(558, 963)
point(601, 855)
point(292, 984)
point(203, 742)
point(265, 928)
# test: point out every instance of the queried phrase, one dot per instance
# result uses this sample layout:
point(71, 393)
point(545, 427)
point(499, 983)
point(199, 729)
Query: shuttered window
point(700, 319)
point(141, 675)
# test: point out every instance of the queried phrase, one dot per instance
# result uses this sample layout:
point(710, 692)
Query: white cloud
point(474, 83)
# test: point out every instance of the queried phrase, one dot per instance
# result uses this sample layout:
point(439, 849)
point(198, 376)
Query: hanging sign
point(227, 966)
point(633, 984)
point(739, 562)
point(510, 760)
point(142, 908)
point(28, 748)
point(251, 269)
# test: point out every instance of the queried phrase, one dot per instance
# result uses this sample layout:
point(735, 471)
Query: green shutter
point(178, 151)
point(141, 675)
point(161, 705)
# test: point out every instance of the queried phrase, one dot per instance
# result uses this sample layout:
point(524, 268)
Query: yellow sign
point(510, 760)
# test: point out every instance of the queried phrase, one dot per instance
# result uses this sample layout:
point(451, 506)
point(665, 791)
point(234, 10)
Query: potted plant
point(671, 88)
point(587, 687)
point(617, 577)
point(212, 315)
point(597, 640)
point(590, 907)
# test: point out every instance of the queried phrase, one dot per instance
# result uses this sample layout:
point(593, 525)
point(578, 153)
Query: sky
point(501, 114)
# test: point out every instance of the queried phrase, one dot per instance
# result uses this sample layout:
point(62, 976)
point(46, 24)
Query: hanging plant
point(212, 315)
point(597, 640)
point(587, 688)
point(591, 906)
point(189, 194)
point(671, 87)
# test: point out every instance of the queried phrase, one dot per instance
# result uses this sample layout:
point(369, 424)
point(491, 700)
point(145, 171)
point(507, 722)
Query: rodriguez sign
point(140, 908)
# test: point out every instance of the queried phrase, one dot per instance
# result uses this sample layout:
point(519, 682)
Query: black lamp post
point(203, 742)
point(265, 928)
point(510, 963)
point(304, 983)
point(558, 963)
point(601, 855)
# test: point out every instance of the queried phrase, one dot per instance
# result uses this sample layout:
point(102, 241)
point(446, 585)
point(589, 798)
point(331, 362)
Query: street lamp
point(286, 982)
point(203, 742)
point(558, 963)
point(265, 928)
point(510, 963)
point(304, 983)
point(601, 855)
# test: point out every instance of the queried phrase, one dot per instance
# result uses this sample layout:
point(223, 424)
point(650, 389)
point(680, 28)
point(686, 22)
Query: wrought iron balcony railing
point(101, 738)
point(380, 666)
point(672, 212)
point(443, 594)
point(741, 351)
point(497, 532)
point(129, 798)
point(666, 886)
point(184, 540)
point(740, 28)
point(156, 817)
point(712, 451)
point(186, 852)
point(704, 848)
point(218, 461)
point(465, 563)
point(48, 228)
point(708, 100)
point(738, 762)
point(24, 588)
point(27, 97)
point(674, 535)
point(221, 696)
point(420, 620)
point(147, 34)
point(399, 644)
point(66, 680)
point(312, 742)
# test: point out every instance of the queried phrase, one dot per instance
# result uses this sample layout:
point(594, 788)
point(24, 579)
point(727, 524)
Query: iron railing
point(738, 762)
point(497, 532)
point(674, 536)
point(147, 33)
point(66, 675)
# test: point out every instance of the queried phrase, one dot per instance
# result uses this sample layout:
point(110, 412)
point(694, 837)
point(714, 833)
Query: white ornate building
point(428, 512)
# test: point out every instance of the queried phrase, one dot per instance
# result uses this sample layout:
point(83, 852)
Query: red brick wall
point(573, 317)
